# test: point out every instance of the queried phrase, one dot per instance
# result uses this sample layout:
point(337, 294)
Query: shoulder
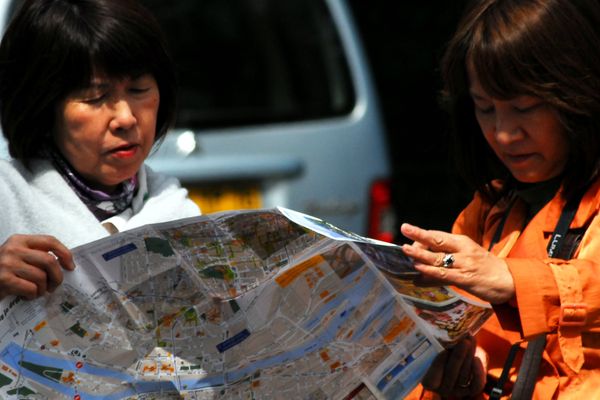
point(478, 208)
point(37, 200)
point(15, 175)
point(15, 169)
point(471, 218)
point(480, 213)
point(593, 193)
point(589, 207)
point(166, 194)
point(11, 168)
point(38, 175)
point(158, 182)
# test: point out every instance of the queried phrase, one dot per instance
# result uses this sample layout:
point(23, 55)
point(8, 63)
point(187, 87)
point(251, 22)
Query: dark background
point(404, 42)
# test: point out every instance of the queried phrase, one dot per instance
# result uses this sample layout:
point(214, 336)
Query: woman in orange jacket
point(522, 83)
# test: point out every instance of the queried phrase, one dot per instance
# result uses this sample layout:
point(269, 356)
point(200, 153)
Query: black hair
point(54, 47)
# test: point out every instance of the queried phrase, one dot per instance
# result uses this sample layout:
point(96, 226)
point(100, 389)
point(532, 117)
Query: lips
point(519, 157)
point(124, 151)
point(519, 161)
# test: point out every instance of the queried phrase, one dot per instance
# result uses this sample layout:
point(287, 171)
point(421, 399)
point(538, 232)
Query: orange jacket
point(546, 290)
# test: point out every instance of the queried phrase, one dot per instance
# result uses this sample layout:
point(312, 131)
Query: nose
point(508, 128)
point(123, 116)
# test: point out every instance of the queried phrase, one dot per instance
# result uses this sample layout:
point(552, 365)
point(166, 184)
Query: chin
point(529, 180)
point(533, 178)
point(113, 183)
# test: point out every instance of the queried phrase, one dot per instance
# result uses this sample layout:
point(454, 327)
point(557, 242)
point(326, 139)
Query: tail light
point(382, 218)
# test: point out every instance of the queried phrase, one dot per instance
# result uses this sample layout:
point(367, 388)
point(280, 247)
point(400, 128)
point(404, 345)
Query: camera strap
point(527, 375)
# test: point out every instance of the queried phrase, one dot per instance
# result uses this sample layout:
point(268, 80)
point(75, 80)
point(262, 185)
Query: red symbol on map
point(79, 365)
point(77, 397)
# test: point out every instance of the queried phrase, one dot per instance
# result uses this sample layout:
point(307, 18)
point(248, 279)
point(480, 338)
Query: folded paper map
point(242, 304)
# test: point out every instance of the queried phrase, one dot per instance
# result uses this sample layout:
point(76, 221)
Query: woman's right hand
point(30, 265)
point(459, 371)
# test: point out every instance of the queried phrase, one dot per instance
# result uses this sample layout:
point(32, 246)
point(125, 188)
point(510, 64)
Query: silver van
point(276, 107)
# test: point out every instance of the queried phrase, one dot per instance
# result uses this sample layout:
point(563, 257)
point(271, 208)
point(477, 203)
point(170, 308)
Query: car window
point(246, 62)
point(242, 62)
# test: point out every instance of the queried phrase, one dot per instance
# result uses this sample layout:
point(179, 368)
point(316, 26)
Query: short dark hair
point(544, 48)
point(53, 47)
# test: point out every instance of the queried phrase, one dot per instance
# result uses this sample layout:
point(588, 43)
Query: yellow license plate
point(213, 198)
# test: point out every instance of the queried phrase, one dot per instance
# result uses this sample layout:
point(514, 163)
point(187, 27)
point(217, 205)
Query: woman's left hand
point(459, 371)
point(474, 269)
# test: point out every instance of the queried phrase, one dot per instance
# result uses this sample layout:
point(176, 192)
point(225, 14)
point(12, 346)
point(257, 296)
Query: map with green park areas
point(253, 304)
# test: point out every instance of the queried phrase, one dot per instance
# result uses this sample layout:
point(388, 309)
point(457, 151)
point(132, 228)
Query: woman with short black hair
point(54, 47)
point(87, 88)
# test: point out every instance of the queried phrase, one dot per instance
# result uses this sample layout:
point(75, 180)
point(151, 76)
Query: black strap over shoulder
point(558, 239)
point(562, 244)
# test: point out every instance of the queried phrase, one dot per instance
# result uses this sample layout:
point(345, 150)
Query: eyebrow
point(477, 96)
point(97, 85)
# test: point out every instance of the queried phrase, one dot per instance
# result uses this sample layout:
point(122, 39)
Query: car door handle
point(219, 168)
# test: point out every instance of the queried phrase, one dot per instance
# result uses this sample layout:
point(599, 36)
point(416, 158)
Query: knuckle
point(16, 237)
point(7, 250)
point(15, 241)
point(7, 277)
point(4, 261)
point(51, 240)
point(41, 279)
point(49, 259)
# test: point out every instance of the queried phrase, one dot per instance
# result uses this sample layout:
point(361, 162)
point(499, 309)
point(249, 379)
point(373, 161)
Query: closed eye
point(484, 110)
point(529, 108)
point(139, 90)
point(95, 99)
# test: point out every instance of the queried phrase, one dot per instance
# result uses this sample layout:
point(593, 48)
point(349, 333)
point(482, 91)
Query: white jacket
point(41, 202)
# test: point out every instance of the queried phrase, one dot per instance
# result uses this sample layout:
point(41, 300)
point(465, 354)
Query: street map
point(257, 304)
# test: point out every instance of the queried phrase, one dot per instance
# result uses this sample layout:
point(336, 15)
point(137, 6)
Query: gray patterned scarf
point(103, 205)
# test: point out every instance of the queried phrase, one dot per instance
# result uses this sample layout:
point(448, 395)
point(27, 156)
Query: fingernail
point(407, 228)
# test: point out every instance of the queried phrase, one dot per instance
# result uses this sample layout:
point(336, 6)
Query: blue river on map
point(348, 301)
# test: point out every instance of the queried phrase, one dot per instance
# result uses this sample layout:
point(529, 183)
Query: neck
point(537, 195)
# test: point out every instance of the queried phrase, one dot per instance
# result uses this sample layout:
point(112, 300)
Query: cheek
point(155, 107)
point(563, 150)
point(557, 143)
point(72, 121)
point(486, 125)
point(79, 134)
point(64, 129)
point(489, 135)
point(150, 110)
point(151, 119)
